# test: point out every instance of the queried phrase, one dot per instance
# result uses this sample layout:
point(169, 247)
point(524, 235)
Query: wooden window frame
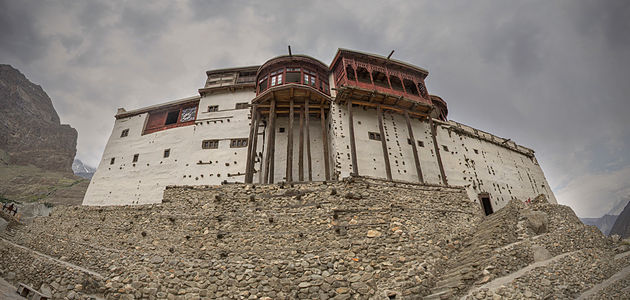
point(210, 144)
point(124, 133)
point(375, 136)
point(239, 143)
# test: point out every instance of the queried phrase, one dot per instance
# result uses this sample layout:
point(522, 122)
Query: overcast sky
point(551, 75)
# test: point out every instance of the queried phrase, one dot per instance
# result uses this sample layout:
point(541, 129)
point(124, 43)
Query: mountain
point(622, 224)
point(604, 223)
point(81, 170)
point(36, 150)
point(30, 130)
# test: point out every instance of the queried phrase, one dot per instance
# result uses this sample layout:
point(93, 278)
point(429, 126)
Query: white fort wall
point(143, 182)
point(476, 160)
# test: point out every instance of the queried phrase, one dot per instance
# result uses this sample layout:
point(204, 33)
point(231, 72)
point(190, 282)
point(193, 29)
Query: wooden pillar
point(308, 141)
point(437, 150)
point(353, 146)
point(270, 143)
point(325, 142)
point(250, 157)
point(254, 147)
point(301, 146)
point(414, 148)
point(289, 170)
point(388, 168)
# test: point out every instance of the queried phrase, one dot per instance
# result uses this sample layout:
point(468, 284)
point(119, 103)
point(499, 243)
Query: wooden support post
point(325, 143)
point(270, 143)
point(414, 147)
point(437, 150)
point(353, 146)
point(301, 146)
point(254, 147)
point(388, 168)
point(289, 170)
point(250, 157)
point(308, 142)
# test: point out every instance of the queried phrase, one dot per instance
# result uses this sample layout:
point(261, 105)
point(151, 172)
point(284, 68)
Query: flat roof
point(235, 69)
point(124, 114)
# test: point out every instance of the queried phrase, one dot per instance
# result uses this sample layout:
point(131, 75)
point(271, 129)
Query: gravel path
point(496, 283)
point(625, 272)
point(64, 263)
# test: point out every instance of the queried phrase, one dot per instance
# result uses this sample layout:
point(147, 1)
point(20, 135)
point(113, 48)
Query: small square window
point(281, 129)
point(420, 143)
point(167, 153)
point(112, 160)
point(172, 117)
point(135, 157)
point(238, 143)
point(210, 144)
point(476, 151)
point(242, 105)
point(445, 148)
point(213, 108)
point(374, 136)
point(124, 133)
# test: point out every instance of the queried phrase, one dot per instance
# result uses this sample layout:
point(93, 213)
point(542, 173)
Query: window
point(410, 87)
point(112, 160)
point(476, 151)
point(374, 136)
point(363, 75)
point(380, 79)
point(238, 143)
point(262, 84)
point(396, 83)
point(213, 108)
point(135, 157)
point(167, 153)
point(188, 114)
point(172, 117)
point(242, 105)
point(276, 77)
point(210, 144)
point(293, 75)
point(309, 79)
point(422, 89)
point(124, 133)
point(421, 143)
point(350, 72)
point(445, 148)
point(281, 129)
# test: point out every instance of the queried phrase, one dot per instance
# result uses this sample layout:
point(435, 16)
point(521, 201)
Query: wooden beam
point(437, 151)
point(353, 146)
point(388, 168)
point(387, 107)
point(325, 143)
point(301, 147)
point(270, 143)
point(414, 148)
point(289, 170)
point(249, 161)
point(308, 142)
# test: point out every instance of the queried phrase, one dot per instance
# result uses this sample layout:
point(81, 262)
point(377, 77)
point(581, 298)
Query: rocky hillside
point(30, 131)
point(604, 223)
point(622, 224)
point(357, 239)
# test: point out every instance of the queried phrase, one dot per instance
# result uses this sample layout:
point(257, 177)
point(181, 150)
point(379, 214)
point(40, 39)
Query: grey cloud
point(550, 75)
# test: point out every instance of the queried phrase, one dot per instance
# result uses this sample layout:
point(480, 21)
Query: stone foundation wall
point(360, 237)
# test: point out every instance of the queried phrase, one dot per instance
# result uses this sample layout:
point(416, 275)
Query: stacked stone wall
point(357, 238)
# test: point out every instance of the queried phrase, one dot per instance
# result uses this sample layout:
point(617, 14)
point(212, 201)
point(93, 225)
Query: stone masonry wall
point(357, 238)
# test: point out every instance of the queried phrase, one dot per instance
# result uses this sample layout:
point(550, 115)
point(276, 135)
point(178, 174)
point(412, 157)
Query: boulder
point(536, 220)
point(540, 253)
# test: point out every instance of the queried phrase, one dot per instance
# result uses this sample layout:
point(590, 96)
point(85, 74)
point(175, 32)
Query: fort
point(296, 119)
